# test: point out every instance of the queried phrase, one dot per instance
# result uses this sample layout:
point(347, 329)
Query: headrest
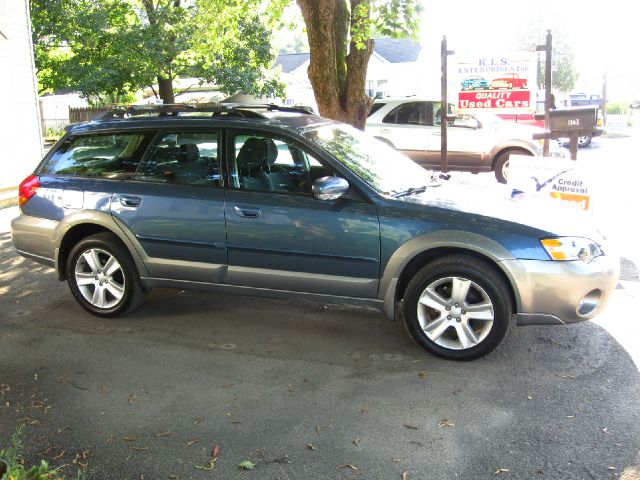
point(189, 152)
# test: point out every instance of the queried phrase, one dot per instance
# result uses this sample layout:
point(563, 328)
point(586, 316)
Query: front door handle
point(130, 201)
point(247, 212)
point(385, 130)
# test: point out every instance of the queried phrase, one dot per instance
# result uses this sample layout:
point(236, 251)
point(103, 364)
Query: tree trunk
point(338, 78)
point(165, 89)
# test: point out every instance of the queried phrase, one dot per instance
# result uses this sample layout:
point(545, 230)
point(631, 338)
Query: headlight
point(571, 248)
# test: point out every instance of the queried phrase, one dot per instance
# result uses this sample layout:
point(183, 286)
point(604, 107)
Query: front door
point(280, 237)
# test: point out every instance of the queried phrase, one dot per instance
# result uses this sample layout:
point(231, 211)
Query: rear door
point(175, 207)
point(280, 237)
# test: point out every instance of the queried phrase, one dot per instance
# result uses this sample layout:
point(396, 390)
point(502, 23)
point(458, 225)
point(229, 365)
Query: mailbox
point(571, 119)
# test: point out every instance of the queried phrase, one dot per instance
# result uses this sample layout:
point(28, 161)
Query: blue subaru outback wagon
point(274, 201)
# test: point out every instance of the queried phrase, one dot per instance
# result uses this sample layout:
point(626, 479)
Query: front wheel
point(458, 307)
point(103, 277)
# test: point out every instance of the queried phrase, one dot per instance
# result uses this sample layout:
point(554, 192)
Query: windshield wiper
point(413, 191)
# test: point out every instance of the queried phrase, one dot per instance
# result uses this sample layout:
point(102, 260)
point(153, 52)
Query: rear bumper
point(35, 238)
point(557, 293)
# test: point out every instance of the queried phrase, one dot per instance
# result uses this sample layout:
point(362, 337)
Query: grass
point(12, 464)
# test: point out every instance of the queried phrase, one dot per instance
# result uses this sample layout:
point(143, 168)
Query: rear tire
point(458, 307)
point(103, 277)
point(501, 164)
point(584, 141)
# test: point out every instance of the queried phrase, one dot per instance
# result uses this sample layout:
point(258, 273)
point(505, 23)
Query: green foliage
point(617, 108)
point(385, 18)
point(110, 48)
point(247, 465)
point(17, 470)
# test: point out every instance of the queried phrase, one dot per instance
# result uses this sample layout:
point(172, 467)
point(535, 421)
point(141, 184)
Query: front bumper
point(556, 292)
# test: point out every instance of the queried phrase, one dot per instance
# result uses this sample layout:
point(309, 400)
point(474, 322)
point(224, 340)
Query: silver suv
point(476, 143)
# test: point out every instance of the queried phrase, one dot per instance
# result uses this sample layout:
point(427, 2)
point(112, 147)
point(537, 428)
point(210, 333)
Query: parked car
point(509, 81)
point(270, 201)
point(474, 82)
point(476, 143)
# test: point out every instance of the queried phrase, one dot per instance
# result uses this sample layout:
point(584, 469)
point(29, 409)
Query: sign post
point(444, 108)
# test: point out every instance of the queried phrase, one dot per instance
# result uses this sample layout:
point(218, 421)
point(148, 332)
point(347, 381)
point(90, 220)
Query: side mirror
point(329, 188)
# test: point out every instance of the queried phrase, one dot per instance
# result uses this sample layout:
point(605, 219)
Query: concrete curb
point(8, 197)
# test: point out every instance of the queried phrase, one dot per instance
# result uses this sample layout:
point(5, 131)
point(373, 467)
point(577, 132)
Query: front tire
point(584, 141)
point(458, 307)
point(103, 277)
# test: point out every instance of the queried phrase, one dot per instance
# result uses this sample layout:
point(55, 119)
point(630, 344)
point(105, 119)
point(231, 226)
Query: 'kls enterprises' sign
point(503, 83)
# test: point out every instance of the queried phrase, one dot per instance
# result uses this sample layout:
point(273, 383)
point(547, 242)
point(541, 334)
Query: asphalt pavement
point(307, 391)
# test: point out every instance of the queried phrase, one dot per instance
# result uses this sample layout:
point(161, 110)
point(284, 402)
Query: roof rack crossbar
point(230, 109)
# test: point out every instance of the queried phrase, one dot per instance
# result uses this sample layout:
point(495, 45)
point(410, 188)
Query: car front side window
point(265, 163)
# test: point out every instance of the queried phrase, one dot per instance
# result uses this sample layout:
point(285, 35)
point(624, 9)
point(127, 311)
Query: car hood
point(550, 216)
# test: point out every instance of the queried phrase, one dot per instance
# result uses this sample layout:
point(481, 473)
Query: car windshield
point(386, 170)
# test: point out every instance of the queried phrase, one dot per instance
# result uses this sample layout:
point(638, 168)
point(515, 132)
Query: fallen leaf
point(412, 427)
point(284, 459)
point(247, 465)
point(445, 422)
point(318, 429)
point(59, 456)
point(132, 398)
point(197, 420)
point(501, 470)
point(132, 438)
point(348, 465)
point(605, 430)
point(395, 460)
point(190, 443)
point(405, 476)
point(162, 434)
point(45, 452)
point(174, 477)
point(422, 375)
point(529, 397)
point(140, 449)
point(291, 388)
point(310, 446)
point(228, 385)
point(356, 441)
point(365, 410)
point(214, 459)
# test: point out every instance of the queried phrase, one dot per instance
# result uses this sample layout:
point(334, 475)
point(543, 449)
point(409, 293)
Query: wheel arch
point(76, 227)
point(416, 253)
point(523, 149)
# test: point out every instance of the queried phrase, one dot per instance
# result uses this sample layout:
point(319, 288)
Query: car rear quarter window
point(105, 155)
point(375, 107)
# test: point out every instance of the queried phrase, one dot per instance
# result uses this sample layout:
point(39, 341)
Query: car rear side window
point(375, 107)
point(183, 157)
point(105, 155)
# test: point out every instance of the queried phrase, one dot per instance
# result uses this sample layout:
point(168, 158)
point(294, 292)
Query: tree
point(113, 47)
point(340, 34)
point(563, 73)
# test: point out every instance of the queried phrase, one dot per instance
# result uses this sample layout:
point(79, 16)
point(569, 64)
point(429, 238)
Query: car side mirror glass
point(329, 188)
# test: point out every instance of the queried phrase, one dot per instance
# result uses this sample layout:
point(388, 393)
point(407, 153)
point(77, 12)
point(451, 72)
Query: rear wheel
point(458, 307)
point(103, 277)
point(501, 164)
point(584, 141)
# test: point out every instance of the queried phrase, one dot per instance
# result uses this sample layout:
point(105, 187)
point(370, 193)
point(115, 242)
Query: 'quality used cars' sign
point(502, 83)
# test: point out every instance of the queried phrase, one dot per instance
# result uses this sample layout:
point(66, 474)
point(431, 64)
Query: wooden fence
point(83, 114)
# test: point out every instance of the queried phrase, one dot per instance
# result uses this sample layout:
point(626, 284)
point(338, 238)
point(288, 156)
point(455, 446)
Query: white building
point(20, 135)
point(397, 67)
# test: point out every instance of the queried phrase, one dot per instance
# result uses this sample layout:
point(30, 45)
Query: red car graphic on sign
point(509, 81)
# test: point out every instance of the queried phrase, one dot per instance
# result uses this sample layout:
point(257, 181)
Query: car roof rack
point(216, 110)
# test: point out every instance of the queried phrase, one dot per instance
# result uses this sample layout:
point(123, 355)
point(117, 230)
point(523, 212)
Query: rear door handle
point(247, 212)
point(129, 201)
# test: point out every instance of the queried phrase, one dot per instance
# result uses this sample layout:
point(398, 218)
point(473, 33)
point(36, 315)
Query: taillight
point(27, 189)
